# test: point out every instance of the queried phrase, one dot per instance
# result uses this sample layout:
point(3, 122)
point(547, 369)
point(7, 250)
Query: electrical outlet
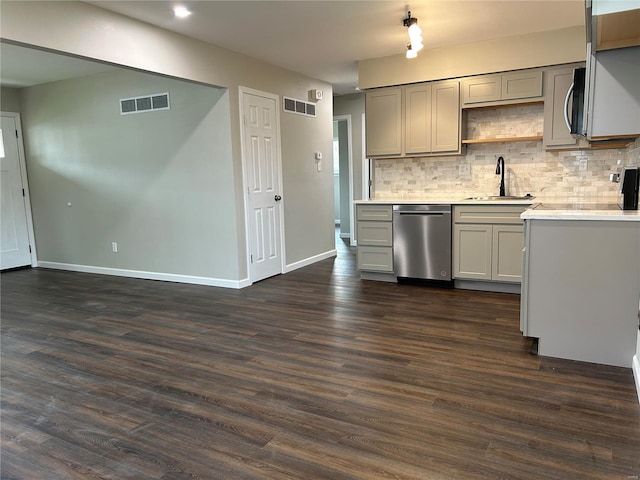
point(464, 169)
point(114, 247)
point(583, 164)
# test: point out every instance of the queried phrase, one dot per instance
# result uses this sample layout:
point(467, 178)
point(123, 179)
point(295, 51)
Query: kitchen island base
point(581, 287)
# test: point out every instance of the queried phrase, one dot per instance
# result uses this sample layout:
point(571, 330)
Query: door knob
point(278, 198)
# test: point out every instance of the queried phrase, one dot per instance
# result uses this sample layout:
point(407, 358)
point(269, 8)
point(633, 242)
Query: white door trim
point(245, 190)
point(338, 118)
point(366, 164)
point(25, 185)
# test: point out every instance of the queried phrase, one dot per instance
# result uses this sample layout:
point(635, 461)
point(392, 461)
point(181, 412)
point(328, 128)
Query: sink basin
point(499, 198)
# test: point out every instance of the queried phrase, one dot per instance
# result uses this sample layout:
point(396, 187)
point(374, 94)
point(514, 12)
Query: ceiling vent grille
point(292, 105)
point(145, 103)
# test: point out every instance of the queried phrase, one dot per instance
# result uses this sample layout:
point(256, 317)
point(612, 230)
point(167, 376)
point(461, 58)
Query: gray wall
point(156, 183)
point(81, 29)
point(9, 101)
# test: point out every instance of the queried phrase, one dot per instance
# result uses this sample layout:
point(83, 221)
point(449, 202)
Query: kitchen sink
point(499, 198)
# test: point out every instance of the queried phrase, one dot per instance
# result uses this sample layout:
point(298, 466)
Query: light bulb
point(417, 46)
point(415, 38)
point(181, 12)
point(411, 53)
point(414, 30)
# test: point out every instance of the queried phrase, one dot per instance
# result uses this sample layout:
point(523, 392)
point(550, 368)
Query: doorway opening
point(342, 176)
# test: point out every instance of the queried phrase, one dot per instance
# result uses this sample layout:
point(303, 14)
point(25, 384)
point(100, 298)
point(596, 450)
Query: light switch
point(319, 165)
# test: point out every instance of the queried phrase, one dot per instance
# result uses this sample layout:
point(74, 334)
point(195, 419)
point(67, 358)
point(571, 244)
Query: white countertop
point(584, 211)
point(425, 201)
point(537, 210)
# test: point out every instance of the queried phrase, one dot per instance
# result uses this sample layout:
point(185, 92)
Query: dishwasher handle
point(424, 209)
point(423, 213)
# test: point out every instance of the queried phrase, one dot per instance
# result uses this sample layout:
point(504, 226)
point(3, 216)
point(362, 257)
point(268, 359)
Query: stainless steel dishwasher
point(422, 242)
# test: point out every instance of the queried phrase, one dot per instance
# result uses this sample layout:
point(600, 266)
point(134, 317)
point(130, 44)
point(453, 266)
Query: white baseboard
point(636, 373)
point(309, 261)
point(166, 277)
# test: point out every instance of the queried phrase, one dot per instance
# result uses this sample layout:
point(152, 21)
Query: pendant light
point(415, 35)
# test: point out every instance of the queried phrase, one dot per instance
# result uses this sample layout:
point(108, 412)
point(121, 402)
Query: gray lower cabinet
point(375, 238)
point(487, 243)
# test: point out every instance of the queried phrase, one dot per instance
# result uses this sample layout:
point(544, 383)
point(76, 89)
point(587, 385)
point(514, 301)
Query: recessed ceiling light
point(181, 12)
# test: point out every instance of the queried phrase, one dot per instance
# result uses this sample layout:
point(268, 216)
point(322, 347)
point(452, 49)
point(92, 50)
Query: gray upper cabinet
point(556, 87)
point(418, 111)
point(502, 88)
point(420, 119)
point(384, 122)
point(521, 85)
point(614, 96)
point(480, 89)
point(445, 118)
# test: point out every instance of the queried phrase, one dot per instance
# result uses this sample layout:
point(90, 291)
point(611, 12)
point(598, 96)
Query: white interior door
point(262, 164)
point(14, 233)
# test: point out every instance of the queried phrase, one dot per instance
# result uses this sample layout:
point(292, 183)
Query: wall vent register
point(292, 105)
point(145, 103)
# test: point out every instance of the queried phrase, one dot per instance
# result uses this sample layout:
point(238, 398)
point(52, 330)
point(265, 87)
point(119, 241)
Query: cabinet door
point(445, 103)
point(506, 255)
point(556, 87)
point(521, 85)
point(615, 103)
point(472, 251)
point(483, 88)
point(417, 107)
point(383, 110)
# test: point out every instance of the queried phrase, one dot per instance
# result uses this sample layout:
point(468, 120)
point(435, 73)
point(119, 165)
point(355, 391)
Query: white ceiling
point(325, 39)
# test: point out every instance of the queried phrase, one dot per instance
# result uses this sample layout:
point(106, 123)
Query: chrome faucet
point(500, 171)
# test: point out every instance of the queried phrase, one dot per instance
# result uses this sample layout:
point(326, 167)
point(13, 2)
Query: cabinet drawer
point(376, 213)
point(489, 214)
point(375, 259)
point(378, 234)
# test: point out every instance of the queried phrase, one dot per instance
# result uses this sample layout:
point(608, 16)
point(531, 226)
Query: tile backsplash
point(549, 176)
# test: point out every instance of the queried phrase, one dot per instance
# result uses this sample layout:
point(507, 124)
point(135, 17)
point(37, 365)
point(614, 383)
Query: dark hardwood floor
point(310, 375)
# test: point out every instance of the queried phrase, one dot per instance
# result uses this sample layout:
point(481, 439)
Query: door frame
point(338, 118)
point(245, 188)
point(25, 185)
point(367, 181)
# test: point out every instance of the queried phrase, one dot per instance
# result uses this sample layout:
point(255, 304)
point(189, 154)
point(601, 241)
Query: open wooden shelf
point(502, 140)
